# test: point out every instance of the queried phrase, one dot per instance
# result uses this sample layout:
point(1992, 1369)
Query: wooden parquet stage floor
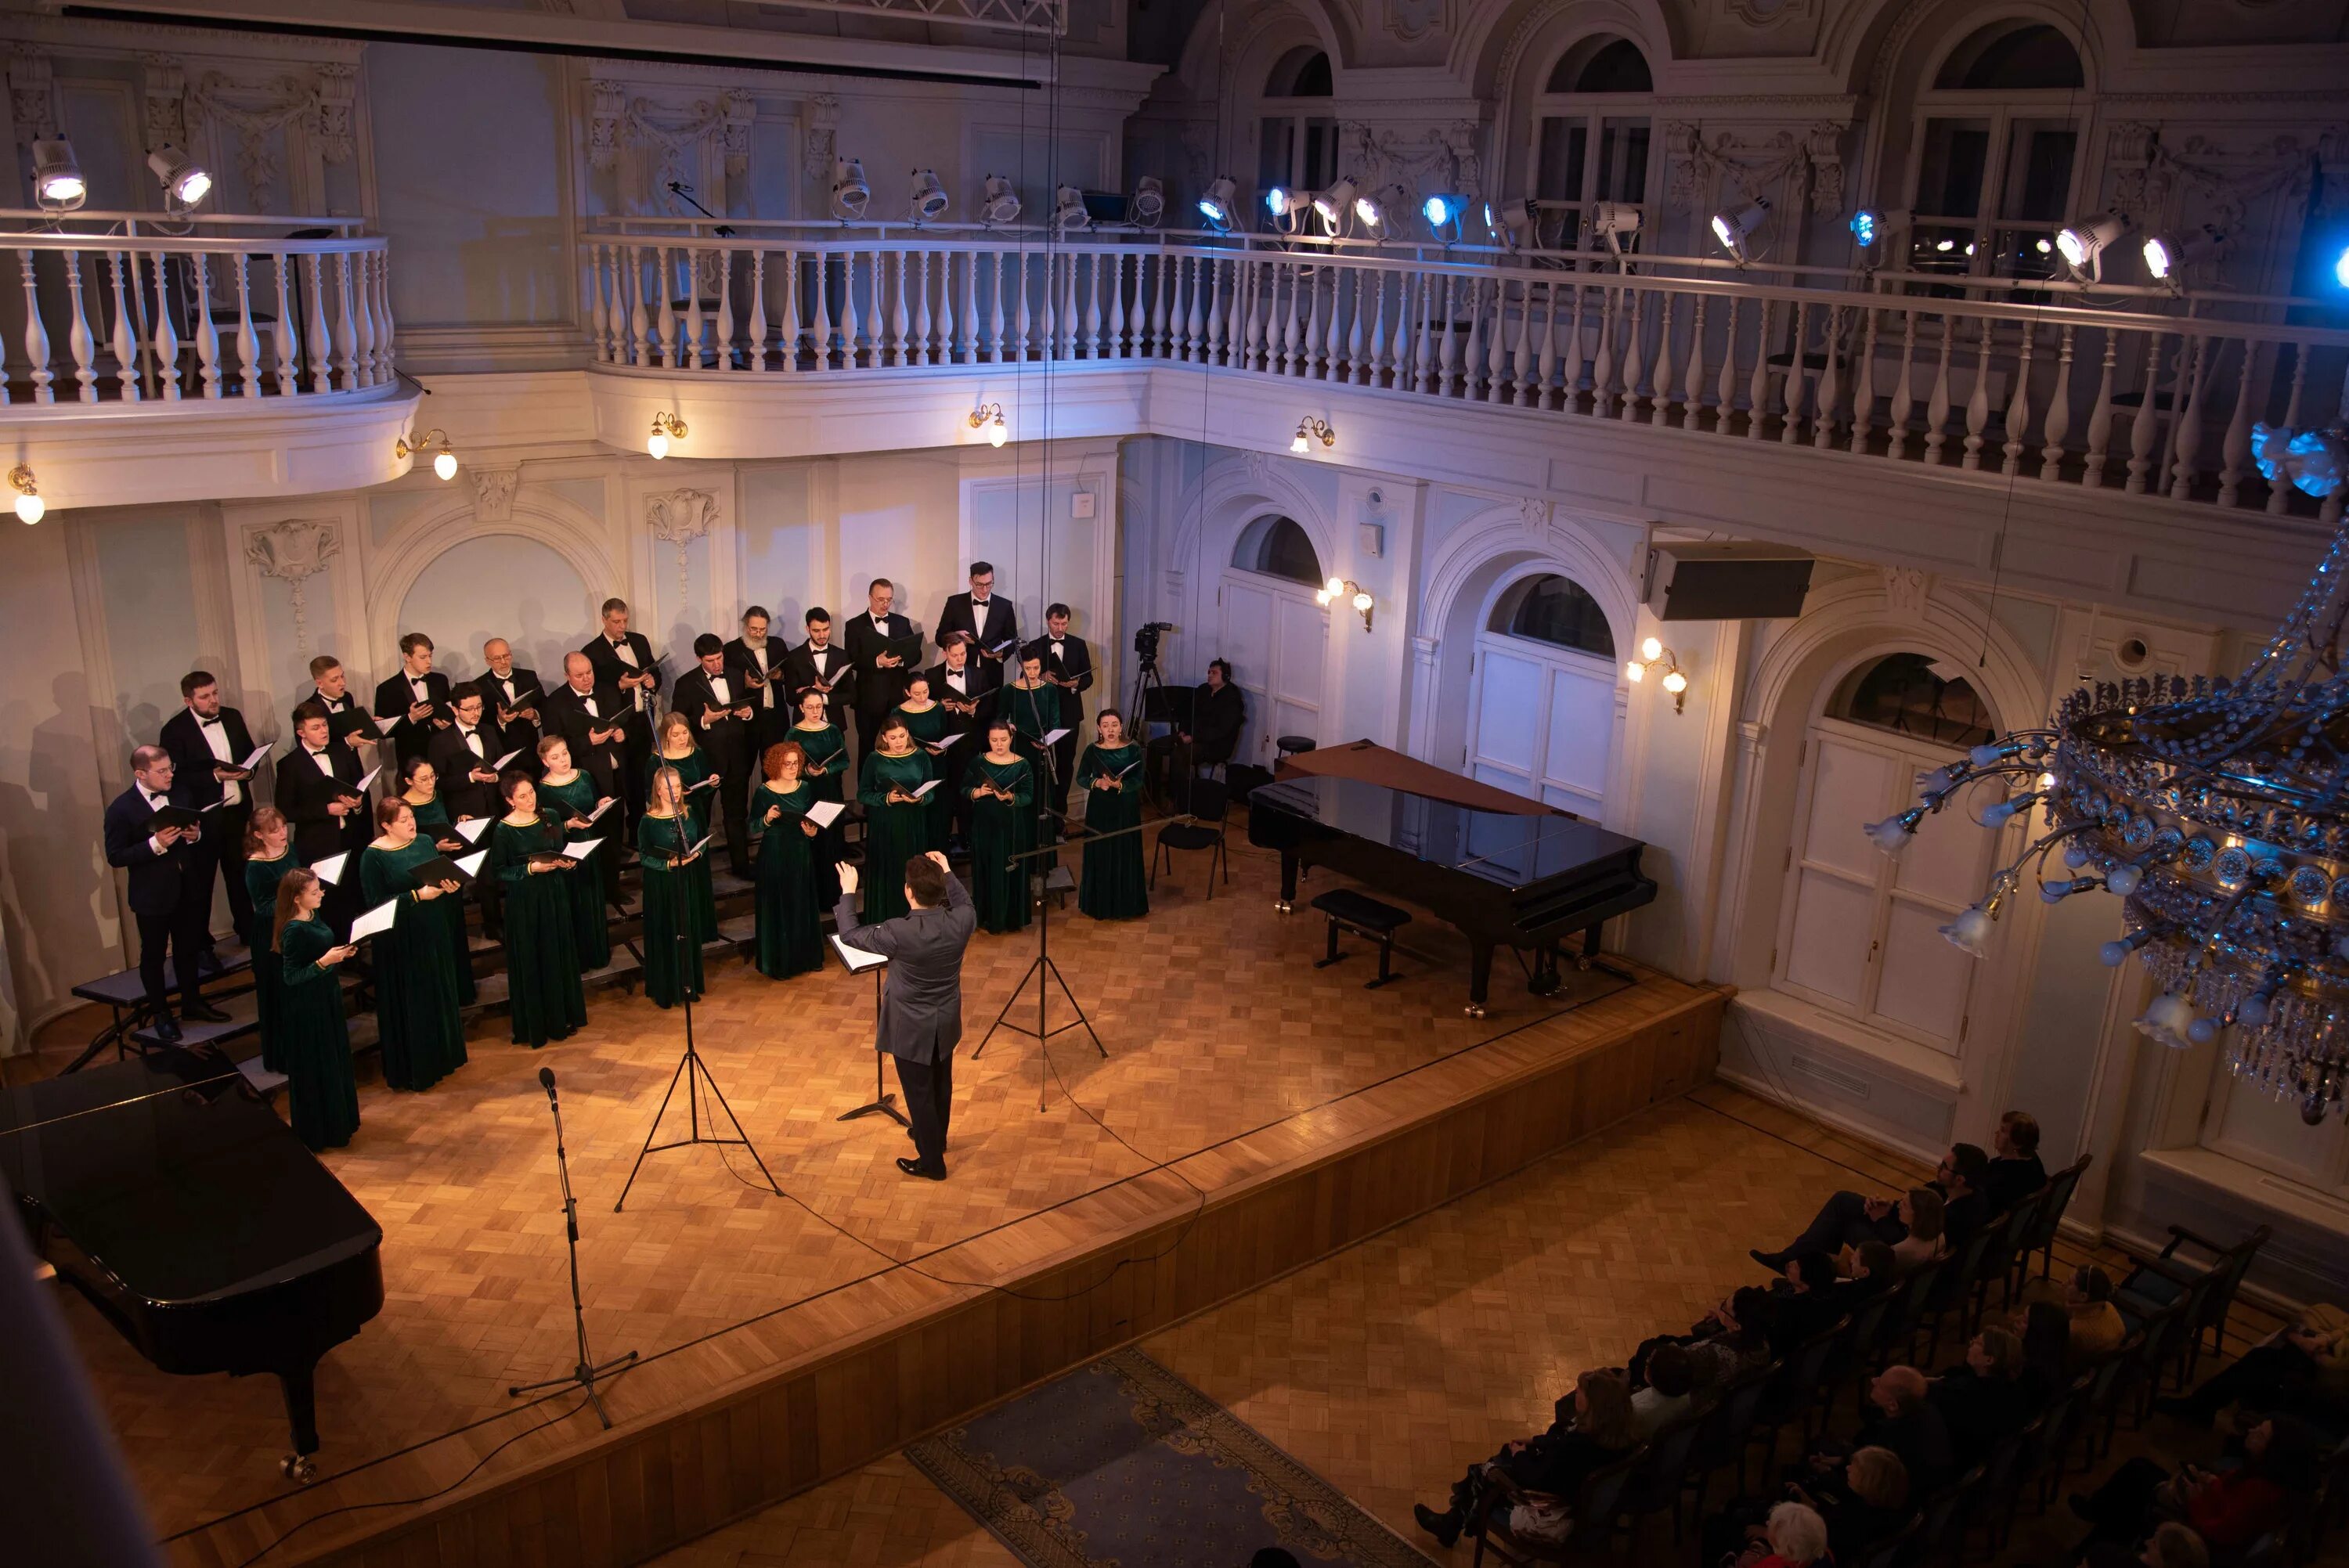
point(1254, 1114)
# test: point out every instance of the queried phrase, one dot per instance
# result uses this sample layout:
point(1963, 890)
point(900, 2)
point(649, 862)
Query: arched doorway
point(1541, 695)
point(1276, 636)
point(1860, 930)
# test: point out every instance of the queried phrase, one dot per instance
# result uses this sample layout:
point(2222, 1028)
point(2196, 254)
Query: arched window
point(1914, 695)
point(1996, 155)
point(1276, 547)
point(1297, 142)
point(1592, 125)
point(1553, 610)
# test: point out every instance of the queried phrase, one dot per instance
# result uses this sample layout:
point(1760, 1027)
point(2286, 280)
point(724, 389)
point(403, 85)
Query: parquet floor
point(1215, 1024)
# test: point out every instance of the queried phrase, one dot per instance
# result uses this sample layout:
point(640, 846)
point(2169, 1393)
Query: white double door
point(1542, 724)
point(1277, 640)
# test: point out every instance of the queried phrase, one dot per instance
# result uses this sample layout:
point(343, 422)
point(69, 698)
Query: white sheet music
point(499, 765)
point(1054, 737)
point(472, 865)
point(330, 869)
point(378, 919)
point(361, 786)
point(583, 849)
point(386, 726)
point(259, 755)
point(472, 829)
point(856, 958)
point(601, 807)
point(924, 788)
point(824, 813)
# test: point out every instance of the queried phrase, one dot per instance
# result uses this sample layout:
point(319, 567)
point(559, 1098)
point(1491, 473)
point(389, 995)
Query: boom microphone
point(547, 1082)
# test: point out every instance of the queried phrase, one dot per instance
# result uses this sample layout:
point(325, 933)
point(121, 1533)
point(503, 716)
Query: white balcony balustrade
point(2028, 380)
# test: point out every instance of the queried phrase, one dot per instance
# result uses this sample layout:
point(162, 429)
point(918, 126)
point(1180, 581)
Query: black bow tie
point(210, 723)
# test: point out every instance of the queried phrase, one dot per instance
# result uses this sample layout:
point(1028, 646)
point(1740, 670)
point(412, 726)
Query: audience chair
point(2054, 1199)
point(1998, 1265)
point(1939, 1537)
point(1911, 1296)
point(2103, 1398)
point(1595, 1501)
point(1657, 1482)
point(1895, 1549)
point(1954, 1289)
point(1789, 1396)
point(1209, 804)
point(2160, 1282)
point(1728, 1429)
point(1849, 1359)
point(2003, 1475)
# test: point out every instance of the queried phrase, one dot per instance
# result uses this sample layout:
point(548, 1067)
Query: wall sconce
point(996, 433)
point(1311, 428)
point(1652, 652)
point(444, 462)
point(667, 428)
point(1338, 588)
point(30, 506)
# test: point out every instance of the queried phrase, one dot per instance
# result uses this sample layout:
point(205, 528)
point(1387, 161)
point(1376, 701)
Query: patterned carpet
point(1122, 1464)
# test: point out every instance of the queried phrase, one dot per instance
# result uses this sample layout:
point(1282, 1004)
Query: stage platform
point(1254, 1113)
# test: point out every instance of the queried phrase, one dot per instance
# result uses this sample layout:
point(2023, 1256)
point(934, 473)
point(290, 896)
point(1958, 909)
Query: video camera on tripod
point(1149, 692)
point(1145, 641)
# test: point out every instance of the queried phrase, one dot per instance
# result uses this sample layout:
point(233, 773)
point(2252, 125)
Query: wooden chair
point(1656, 1482)
point(1728, 1428)
point(1596, 1499)
point(1789, 1396)
point(1911, 1298)
point(2002, 1480)
point(1999, 1263)
point(1954, 1289)
point(1849, 1359)
point(1209, 805)
point(2159, 1282)
point(1939, 1536)
point(2055, 1198)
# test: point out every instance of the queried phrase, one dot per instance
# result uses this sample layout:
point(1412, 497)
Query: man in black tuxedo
point(991, 624)
point(921, 1003)
point(817, 665)
point(1069, 665)
point(959, 686)
point(624, 661)
point(206, 742)
point(318, 791)
point(510, 695)
point(880, 675)
point(757, 664)
point(347, 721)
point(592, 720)
point(170, 885)
point(418, 696)
point(465, 755)
point(714, 700)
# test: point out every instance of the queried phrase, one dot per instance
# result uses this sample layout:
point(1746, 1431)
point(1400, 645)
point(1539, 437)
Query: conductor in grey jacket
point(921, 1004)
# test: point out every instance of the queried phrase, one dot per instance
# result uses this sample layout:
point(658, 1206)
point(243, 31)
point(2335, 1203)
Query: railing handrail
point(190, 244)
point(40, 218)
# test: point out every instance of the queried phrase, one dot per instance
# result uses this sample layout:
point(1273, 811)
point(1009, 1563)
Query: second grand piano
point(1503, 878)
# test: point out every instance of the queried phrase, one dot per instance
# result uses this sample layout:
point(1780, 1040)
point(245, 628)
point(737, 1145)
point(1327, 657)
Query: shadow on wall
point(50, 839)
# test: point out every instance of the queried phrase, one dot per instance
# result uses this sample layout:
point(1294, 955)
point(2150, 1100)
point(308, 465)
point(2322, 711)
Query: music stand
point(694, 1072)
point(883, 1103)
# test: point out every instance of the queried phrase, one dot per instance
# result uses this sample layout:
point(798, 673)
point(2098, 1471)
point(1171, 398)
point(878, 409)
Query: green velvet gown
point(261, 879)
point(321, 1100)
point(1113, 886)
point(827, 750)
point(928, 730)
point(432, 822)
point(1033, 716)
point(541, 953)
point(789, 942)
point(595, 879)
point(672, 968)
point(893, 834)
point(999, 885)
point(692, 769)
point(416, 1021)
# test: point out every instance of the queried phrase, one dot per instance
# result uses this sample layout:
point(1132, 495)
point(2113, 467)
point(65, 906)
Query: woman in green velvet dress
point(788, 943)
point(827, 771)
point(673, 930)
point(268, 856)
point(542, 984)
point(1113, 886)
point(322, 1101)
point(927, 722)
point(1002, 789)
point(692, 766)
point(896, 824)
point(569, 796)
point(1032, 703)
point(416, 1021)
point(423, 796)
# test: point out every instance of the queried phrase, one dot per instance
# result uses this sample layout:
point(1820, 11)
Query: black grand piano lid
point(1507, 850)
point(183, 1197)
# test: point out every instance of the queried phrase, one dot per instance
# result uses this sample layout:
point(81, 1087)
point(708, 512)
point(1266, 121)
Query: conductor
point(921, 1004)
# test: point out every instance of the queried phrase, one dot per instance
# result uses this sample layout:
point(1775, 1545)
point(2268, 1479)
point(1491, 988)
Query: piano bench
point(1364, 916)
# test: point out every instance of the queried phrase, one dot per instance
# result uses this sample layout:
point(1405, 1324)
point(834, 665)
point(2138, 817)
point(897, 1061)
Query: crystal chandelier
point(2218, 812)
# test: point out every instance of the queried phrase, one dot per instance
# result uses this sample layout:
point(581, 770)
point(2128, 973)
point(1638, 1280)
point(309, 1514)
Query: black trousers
point(180, 931)
point(734, 803)
point(868, 732)
point(1064, 766)
point(929, 1105)
point(636, 766)
point(224, 833)
point(1842, 1222)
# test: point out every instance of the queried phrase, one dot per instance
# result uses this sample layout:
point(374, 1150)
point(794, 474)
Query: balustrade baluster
point(1496, 346)
point(1092, 327)
point(1219, 326)
point(688, 347)
point(2235, 445)
point(967, 318)
point(665, 313)
point(1521, 359)
point(599, 328)
point(165, 340)
point(1019, 314)
point(876, 319)
point(79, 341)
point(1724, 389)
point(1666, 397)
point(721, 329)
point(1798, 386)
point(1635, 351)
point(2100, 416)
point(1823, 418)
point(1936, 407)
point(1422, 347)
point(37, 339)
point(363, 344)
point(1315, 359)
point(640, 328)
point(1351, 366)
point(1162, 303)
point(2280, 493)
point(1757, 381)
point(754, 328)
point(1471, 353)
point(1447, 367)
point(1978, 401)
point(1863, 387)
point(386, 341)
point(922, 353)
point(346, 331)
point(1113, 316)
point(1284, 271)
point(2187, 428)
point(2141, 428)
point(2058, 422)
point(1904, 398)
point(945, 353)
point(994, 329)
point(1372, 371)
point(1333, 341)
point(1137, 318)
point(1602, 357)
point(248, 342)
point(787, 316)
point(288, 332)
point(900, 318)
point(848, 313)
point(2018, 407)
point(1047, 323)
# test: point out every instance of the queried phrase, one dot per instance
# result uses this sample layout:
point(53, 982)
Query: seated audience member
point(1551, 1465)
point(1671, 1380)
point(1848, 1220)
point(1964, 1210)
point(1869, 1507)
point(2229, 1508)
point(2170, 1545)
point(2086, 1296)
point(1875, 1268)
point(2303, 1369)
point(1810, 1300)
point(1902, 1418)
point(2046, 1331)
point(2015, 1173)
point(1732, 1340)
point(1982, 1403)
point(1796, 1537)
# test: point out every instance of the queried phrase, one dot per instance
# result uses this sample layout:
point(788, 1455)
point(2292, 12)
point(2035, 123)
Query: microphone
point(547, 1082)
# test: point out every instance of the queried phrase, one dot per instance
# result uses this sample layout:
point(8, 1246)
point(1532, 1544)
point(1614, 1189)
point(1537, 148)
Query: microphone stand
point(584, 1373)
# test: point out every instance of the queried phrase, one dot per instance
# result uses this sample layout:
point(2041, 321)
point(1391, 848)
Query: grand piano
point(192, 1217)
point(1503, 878)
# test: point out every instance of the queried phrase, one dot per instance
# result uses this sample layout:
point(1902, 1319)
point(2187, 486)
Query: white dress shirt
point(473, 740)
point(326, 763)
point(215, 735)
point(766, 673)
point(719, 695)
point(978, 609)
point(154, 803)
point(625, 652)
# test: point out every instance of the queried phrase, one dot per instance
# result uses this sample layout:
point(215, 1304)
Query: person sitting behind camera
point(1218, 712)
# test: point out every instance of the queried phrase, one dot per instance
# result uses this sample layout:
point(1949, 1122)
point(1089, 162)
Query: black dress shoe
point(208, 962)
point(204, 1011)
point(916, 1168)
point(167, 1028)
point(1445, 1527)
point(1774, 1262)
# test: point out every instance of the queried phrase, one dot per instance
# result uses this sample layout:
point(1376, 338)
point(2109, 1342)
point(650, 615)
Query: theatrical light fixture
point(2167, 256)
point(1000, 204)
point(1354, 592)
point(2341, 267)
point(30, 506)
point(1310, 430)
point(1336, 204)
point(2082, 241)
point(184, 181)
point(1377, 211)
point(2311, 461)
point(1653, 654)
point(444, 462)
point(1147, 208)
point(1866, 228)
point(1215, 206)
point(998, 432)
point(1444, 212)
point(1612, 221)
point(1511, 223)
point(927, 199)
point(57, 184)
point(1280, 205)
point(1732, 229)
point(850, 194)
point(1068, 212)
point(667, 428)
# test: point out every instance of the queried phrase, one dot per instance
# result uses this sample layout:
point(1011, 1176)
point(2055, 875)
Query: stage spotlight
point(1613, 222)
point(1068, 212)
point(1280, 202)
point(1866, 228)
point(1377, 211)
point(927, 198)
point(184, 181)
point(1443, 212)
point(1215, 206)
point(1000, 204)
point(2167, 256)
point(2081, 242)
point(1147, 208)
point(1732, 229)
point(850, 194)
point(1510, 224)
point(2341, 267)
point(1336, 204)
point(57, 184)
point(30, 506)
point(667, 428)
